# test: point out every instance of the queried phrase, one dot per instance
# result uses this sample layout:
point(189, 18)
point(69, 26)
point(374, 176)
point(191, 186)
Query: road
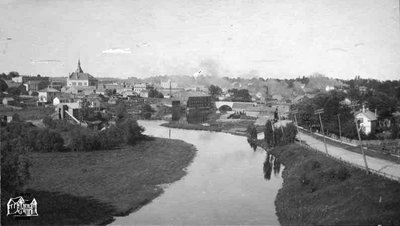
point(377, 164)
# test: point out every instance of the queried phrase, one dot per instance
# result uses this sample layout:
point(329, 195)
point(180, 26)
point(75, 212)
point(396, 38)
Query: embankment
point(318, 190)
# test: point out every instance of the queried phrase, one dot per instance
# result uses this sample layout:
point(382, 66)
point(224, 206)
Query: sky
point(247, 38)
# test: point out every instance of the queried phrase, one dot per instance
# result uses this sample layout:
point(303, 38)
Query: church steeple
point(79, 69)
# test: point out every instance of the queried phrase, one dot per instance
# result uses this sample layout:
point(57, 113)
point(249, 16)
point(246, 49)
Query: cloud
point(143, 44)
point(44, 61)
point(117, 51)
point(337, 50)
point(359, 44)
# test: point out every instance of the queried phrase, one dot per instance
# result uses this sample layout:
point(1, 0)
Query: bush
point(132, 131)
point(14, 165)
point(44, 140)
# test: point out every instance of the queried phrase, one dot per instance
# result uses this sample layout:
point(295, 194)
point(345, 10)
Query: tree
point(3, 85)
point(268, 134)
point(240, 95)
point(121, 111)
point(14, 165)
point(153, 93)
point(252, 132)
point(214, 91)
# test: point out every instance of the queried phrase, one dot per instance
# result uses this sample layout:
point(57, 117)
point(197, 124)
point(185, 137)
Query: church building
point(79, 78)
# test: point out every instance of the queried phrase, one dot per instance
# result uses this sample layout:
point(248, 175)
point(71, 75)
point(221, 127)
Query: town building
point(35, 85)
point(26, 79)
point(199, 102)
point(81, 79)
point(168, 84)
point(47, 95)
point(367, 120)
point(139, 87)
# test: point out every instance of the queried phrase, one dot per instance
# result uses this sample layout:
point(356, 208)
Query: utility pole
point(297, 125)
point(340, 128)
point(353, 106)
point(319, 112)
point(361, 147)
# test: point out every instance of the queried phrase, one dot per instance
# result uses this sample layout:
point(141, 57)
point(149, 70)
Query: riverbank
point(238, 127)
point(75, 188)
point(318, 190)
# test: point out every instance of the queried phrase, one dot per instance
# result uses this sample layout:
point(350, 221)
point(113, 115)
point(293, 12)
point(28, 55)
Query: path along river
point(228, 182)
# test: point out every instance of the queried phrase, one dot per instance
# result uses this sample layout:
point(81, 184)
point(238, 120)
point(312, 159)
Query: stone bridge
point(219, 104)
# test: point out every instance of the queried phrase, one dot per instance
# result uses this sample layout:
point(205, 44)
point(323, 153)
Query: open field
point(318, 190)
point(91, 187)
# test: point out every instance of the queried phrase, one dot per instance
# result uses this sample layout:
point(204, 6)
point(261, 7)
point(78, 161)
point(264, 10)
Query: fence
point(391, 147)
point(378, 173)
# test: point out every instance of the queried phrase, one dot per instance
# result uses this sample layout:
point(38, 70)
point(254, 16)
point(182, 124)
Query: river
point(228, 182)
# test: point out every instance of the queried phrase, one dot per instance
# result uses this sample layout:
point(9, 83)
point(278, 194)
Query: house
point(139, 87)
point(81, 79)
point(168, 84)
point(8, 101)
point(94, 103)
point(71, 109)
point(35, 85)
point(47, 95)
point(367, 120)
point(83, 90)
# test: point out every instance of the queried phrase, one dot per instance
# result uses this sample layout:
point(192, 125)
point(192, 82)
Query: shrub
point(343, 173)
point(14, 165)
point(132, 131)
point(44, 140)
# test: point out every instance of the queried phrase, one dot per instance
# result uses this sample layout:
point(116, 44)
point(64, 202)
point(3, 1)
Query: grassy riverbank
point(238, 127)
point(318, 190)
point(90, 187)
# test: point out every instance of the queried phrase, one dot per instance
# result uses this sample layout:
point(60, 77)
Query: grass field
point(91, 187)
point(318, 190)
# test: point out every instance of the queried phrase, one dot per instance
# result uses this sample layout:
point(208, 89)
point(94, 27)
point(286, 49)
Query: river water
point(228, 182)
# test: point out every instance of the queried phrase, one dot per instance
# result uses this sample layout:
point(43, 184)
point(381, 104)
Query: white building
point(367, 120)
point(168, 84)
point(79, 78)
point(47, 95)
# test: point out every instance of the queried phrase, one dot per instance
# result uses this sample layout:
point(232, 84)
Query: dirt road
point(380, 165)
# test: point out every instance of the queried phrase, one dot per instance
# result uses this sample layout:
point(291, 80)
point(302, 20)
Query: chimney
point(363, 108)
point(376, 112)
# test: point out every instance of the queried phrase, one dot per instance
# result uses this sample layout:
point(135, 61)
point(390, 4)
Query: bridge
point(219, 104)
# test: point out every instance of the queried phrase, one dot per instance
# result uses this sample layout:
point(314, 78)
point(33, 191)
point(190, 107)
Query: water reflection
point(197, 116)
point(252, 143)
point(271, 163)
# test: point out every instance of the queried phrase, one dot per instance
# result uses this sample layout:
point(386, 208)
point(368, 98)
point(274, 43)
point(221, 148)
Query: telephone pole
point(297, 125)
point(319, 112)
point(340, 128)
point(359, 138)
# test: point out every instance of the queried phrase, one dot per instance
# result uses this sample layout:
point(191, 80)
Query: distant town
point(61, 132)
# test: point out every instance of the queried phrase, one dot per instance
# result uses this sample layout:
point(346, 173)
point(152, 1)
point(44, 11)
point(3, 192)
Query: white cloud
point(117, 51)
point(44, 61)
